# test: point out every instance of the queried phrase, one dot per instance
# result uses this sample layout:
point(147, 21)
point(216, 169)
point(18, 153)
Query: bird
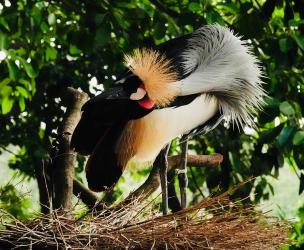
point(183, 87)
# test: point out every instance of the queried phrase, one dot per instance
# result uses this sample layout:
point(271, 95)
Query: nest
point(215, 223)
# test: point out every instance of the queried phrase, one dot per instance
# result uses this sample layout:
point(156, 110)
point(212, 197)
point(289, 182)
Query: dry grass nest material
point(215, 223)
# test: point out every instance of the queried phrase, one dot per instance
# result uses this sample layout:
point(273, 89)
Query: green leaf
point(194, 7)
point(298, 138)
point(23, 92)
point(121, 20)
point(33, 86)
point(28, 68)
point(6, 104)
point(44, 27)
point(229, 7)
point(287, 109)
point(102, 36)
point(50, 54)
point(214, 17)
point(269, 135)
point(4, 23)
point(6, 90)
point(234, 160)
point(25, 83)
point(4, 82)
point(21, 103)
point(12, 69)
point(285, 135)
point(3, 40)
point(285, 45)
point(52, 19)
point(73, 50)
point(99, 18)
point(299, 40)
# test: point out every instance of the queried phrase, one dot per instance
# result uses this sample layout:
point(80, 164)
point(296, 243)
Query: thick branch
point(198, 160)
point(153, 181)
point(64, 161)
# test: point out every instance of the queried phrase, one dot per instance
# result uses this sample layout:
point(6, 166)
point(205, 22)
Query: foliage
point(297, 234)
point(13, 202)
point(48, 45)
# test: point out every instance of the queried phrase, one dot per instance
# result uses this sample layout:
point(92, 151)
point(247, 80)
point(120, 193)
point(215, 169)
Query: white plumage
point(222, 65)
point(163, 125)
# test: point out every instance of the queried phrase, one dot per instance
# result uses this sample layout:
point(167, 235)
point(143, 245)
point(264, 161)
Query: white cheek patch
point(140, 93)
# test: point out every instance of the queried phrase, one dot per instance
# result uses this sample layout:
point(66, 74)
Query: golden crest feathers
point(156, 73)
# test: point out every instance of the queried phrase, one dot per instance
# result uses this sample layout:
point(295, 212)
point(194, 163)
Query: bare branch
point(153, 181)
point(198, 160)
point(65, 159)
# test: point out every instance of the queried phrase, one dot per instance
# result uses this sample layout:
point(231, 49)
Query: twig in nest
point(216, 223)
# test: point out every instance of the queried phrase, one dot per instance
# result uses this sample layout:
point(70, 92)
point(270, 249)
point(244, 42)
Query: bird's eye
point(138, 95)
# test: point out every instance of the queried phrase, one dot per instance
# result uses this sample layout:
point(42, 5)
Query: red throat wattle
point(146, 103)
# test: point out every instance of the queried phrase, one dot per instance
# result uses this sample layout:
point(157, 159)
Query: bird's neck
point(144, 138)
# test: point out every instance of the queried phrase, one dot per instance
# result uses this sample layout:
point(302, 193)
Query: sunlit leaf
point(50, 54)
point(51, 19)
point(194, 7)
point(6, 90)
point(23, 92)
point(21, 103)
point(73, 50)
point(230, 7)
point(6, 105)
point(120, 20)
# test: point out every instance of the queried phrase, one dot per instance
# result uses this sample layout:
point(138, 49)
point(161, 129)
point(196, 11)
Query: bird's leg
point(181, 172)
point(162, 161)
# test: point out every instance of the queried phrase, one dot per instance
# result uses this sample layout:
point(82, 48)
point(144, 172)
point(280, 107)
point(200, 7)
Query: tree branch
point(65, 159)
point(153, 181)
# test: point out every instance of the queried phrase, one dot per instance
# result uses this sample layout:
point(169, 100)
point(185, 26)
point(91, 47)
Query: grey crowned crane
point(185, 86)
